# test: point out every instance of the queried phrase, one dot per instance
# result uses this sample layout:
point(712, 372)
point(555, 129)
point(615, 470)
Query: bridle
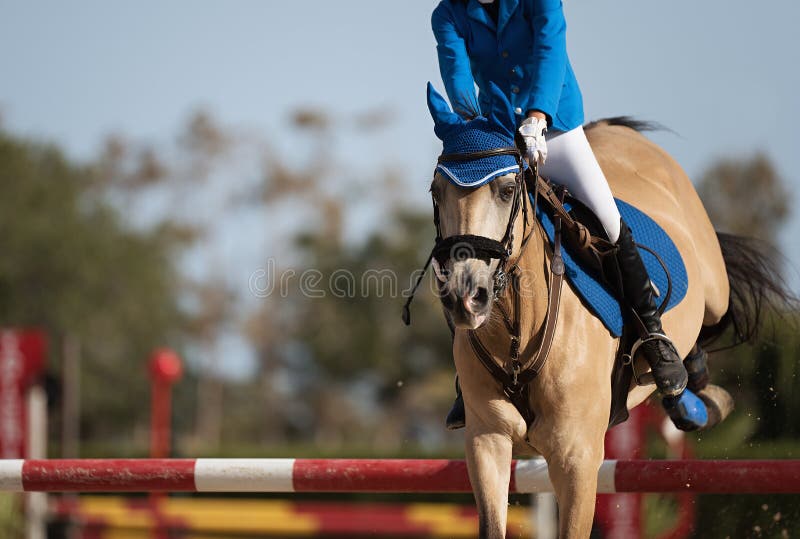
point(515, 375)
point(481, 246)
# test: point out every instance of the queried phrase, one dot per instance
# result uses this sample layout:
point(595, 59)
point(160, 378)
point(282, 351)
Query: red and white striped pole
point(365, 475)
point(620, 514)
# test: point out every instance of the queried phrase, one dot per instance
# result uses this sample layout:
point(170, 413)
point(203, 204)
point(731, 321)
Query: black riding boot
point(630, 277)
point(456, 418)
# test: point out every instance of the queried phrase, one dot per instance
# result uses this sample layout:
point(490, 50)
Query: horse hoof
point(719, 404)
point(687, 411)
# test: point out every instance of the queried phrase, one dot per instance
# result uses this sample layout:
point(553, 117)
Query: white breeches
point(571, 163)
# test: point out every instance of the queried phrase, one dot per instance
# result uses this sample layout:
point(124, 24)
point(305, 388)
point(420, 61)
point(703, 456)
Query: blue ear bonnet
point(477, 135)
point(482, 133)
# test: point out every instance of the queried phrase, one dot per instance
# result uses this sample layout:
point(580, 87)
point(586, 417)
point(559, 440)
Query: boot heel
point(456, 419)
point(687, 411)
point(457, 416)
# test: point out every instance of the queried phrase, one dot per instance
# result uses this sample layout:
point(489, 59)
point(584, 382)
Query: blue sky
point(721, 73)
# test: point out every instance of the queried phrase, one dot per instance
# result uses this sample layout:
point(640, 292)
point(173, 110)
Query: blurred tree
point(95, 251)
point(215, 309)
point(344, 336)
point(746, 196)
point(311, 119)
point(334, 345)
point(72, 266)
point(161, 188)
point(749, 198)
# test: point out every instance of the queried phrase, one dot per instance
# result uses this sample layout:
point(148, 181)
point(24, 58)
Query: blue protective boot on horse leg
point(630, 277)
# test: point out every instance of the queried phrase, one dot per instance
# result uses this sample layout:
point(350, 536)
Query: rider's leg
point(572, 163)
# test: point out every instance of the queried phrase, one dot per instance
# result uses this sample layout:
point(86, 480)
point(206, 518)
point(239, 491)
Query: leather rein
point(515, 374)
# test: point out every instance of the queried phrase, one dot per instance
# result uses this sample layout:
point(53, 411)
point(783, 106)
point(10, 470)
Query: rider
point(520, 45)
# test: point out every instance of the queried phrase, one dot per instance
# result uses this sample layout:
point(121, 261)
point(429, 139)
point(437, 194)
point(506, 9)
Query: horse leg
point(489, 465)
point(569, 431)
point(718, 401)
point(573, 472)
point(492, 427)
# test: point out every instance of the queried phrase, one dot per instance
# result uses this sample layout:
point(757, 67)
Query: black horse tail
point(757, 289)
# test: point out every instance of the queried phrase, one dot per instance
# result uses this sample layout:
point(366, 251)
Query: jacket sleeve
point(454, 64)
point(549, 55)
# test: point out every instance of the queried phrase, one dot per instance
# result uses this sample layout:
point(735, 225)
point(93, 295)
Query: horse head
point(477, 192)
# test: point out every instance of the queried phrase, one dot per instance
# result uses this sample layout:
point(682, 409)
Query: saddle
point(585, 238)
point(586, 248)
point(583, 234)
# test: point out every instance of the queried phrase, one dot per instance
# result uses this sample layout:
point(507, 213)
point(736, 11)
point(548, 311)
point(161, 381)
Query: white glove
point(532, 131)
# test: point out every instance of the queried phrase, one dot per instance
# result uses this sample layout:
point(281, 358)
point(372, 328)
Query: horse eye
point(507, 192)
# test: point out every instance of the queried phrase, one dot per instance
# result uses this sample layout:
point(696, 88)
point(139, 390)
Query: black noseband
point(466, 246)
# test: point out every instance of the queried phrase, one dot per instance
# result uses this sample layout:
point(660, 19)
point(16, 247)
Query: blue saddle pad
point(646, 232)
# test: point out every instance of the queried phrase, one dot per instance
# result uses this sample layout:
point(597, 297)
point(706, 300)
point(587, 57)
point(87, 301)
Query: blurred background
point(192, 175)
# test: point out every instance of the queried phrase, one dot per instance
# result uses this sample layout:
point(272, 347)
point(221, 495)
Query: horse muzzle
point(466, 291)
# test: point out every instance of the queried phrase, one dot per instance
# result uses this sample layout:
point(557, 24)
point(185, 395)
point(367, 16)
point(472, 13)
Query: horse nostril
point(481, 296)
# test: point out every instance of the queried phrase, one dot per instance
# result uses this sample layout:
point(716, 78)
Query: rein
point(515, 375)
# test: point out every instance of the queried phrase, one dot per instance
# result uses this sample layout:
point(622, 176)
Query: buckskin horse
point(535, 369)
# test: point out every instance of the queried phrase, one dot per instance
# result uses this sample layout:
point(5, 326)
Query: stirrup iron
point(644, 378)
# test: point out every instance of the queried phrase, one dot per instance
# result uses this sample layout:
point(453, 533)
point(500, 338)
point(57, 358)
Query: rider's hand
point(532, 131)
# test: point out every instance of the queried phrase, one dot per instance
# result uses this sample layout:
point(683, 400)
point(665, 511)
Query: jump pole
point(374, 475)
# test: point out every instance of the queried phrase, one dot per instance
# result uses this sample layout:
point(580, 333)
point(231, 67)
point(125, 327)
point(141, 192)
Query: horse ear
point(501, 114)
point(444, 119)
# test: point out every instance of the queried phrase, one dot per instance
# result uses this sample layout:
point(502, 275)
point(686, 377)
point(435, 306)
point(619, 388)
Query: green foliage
point(762, 378)
point(71, 265)
point(339, 355)
point(747, 516)
point(356, 367)
point(747, 197)
point(361, 334)
point(11, 516)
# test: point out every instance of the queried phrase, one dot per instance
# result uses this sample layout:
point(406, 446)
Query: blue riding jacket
point(525, 54)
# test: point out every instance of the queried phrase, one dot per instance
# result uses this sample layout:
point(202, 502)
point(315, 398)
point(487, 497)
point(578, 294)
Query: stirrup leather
point(644, 378)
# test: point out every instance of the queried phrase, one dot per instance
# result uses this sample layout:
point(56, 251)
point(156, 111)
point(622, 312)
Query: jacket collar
point(505, 10)
point(476, 12)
